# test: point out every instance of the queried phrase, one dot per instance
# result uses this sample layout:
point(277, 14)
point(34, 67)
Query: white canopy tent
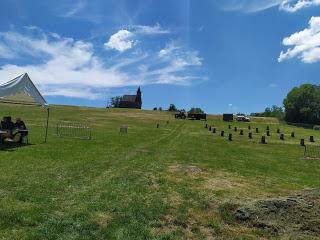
point(21, 90)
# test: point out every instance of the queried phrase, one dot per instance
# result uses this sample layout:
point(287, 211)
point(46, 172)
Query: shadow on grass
point(9, 147)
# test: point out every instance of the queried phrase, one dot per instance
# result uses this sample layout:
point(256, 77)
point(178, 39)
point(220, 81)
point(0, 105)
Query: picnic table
point(18, 130)
point(23, 130)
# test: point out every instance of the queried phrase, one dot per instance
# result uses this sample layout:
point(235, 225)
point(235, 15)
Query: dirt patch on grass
point(296, 216)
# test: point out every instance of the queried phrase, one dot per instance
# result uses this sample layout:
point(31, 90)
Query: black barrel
point(263, 140)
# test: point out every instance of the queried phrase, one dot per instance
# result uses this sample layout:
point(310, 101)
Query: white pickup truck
point(243, 119)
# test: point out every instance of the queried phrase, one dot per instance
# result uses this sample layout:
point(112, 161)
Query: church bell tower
point(138, 98)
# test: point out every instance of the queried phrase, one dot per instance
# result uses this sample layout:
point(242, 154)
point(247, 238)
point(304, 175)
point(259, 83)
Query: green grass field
point(172, 182)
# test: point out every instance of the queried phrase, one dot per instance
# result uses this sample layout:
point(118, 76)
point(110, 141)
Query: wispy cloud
point(5, 52)
point(293, 6)
point(101, 13)
point(73, 92)
point(168, 50)
point(179, 64)
point(78, 6)
point(251, 6)
point(79, 9)
point(73, 68)
point(150, 30)
point(181, 57)
point(66, 64)
point(306, 44)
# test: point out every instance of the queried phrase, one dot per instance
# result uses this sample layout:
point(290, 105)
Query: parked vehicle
point(197, 116)
point(243, 119)
point(181, 115)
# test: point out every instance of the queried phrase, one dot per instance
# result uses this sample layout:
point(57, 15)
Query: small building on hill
point(131, 101)
point(228, 117)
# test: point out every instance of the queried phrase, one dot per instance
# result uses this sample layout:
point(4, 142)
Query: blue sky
point(222, 56)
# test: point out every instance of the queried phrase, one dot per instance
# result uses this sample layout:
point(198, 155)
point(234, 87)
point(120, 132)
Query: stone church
point(131, 101)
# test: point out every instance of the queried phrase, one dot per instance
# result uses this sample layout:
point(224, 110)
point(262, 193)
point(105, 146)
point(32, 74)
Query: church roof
point(129, 98)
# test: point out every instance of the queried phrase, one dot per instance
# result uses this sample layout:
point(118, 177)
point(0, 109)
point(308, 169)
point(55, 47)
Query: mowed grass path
point(166, 183)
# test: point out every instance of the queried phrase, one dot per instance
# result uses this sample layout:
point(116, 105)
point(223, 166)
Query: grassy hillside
point(179, 181)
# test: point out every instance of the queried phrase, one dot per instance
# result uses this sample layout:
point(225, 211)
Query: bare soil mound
point(294, 216)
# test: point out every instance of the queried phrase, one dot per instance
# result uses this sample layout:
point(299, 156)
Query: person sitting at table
point(7, 125)
point(2, 137)
point(20, 125)
point(20, 128)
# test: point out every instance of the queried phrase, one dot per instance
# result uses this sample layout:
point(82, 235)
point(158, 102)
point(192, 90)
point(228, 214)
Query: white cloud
point(31, 27)
point(178, 65)
point(168, 50)
point(90, 94)
point(124, 39)
point(249, 5)
point(66, 67)
point(79, 5)
point(5, 52)
point(121, 41)
point(261, 5)
point(179, 56)
point(150, 30)
point(306, 44)
point(293, 6)
point(84, 10)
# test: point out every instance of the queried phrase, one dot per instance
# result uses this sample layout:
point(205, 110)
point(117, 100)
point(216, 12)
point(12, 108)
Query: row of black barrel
point(263, 138)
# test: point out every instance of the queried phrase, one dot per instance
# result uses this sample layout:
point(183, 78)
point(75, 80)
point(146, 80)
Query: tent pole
point(48, 114)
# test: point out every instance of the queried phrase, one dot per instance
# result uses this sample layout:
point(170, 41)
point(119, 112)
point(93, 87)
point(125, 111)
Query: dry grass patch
point(175, 199)
point(102, 219)
point(189, 228)
point(189, 170)
point(225, 181)
point(217, 182)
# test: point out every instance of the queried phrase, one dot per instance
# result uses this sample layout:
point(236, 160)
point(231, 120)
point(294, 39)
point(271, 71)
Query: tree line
point(273, 111)
point(302, 105)
point(173, 108)
point(114, 102)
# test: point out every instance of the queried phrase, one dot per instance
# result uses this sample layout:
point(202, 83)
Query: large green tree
point(195, 111)
point(302, 104)
point(115, 102)
point(172, 108)
point(274, 111)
